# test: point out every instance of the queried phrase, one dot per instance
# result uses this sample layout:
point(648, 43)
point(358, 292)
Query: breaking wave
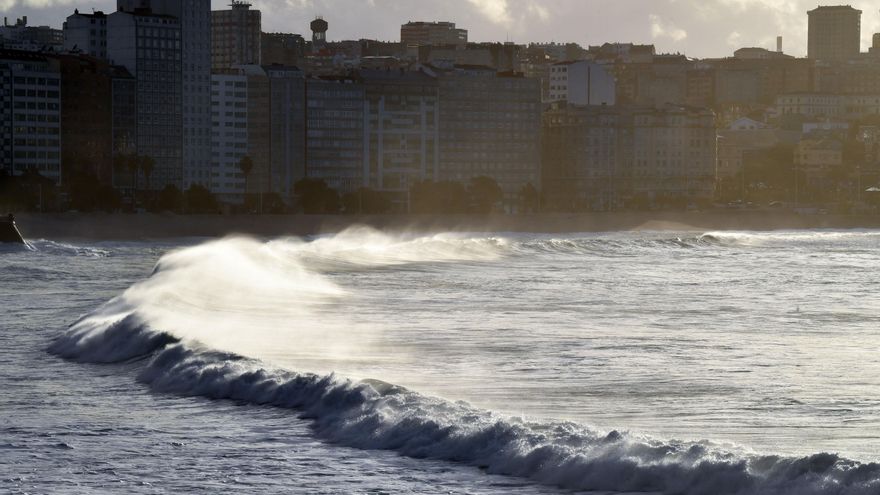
point(185, 323)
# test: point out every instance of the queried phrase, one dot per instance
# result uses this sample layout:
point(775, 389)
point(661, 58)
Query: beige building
point(674, 152)
point(834, 32)
point(607, 157)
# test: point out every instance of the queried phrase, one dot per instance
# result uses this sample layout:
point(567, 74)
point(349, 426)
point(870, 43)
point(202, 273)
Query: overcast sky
point(698, 28)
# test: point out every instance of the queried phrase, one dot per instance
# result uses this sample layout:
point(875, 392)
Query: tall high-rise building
point(287, 89)
point(235, 36)
point(834, 32)
point(195, 32)
point(194, 17)
point(149, 46)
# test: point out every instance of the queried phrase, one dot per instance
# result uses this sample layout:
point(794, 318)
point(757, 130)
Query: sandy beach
point(101, 226)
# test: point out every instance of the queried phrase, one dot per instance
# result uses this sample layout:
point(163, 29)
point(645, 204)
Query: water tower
point(319, 34)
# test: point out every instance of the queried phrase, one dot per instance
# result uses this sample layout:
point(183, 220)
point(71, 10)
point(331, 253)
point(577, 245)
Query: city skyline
point(699, 29)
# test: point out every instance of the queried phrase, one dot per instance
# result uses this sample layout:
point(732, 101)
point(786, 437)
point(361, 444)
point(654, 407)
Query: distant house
point(817, 157)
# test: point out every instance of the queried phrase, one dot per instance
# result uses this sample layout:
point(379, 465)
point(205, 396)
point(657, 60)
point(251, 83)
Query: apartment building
point(490, 125)
point(149, 46)
point(335, 136)
point(30, 133)
point(581, 82)
point(86, 33)
point(236, 36)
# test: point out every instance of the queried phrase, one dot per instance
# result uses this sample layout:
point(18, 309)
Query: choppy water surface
point(457, 363)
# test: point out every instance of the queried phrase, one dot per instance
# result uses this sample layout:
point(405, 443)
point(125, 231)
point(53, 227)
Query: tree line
point(83, 191)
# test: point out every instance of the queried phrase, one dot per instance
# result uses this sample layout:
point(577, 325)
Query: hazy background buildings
point(157, 98)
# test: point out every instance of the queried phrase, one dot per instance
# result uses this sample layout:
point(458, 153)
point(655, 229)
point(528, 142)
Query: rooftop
point(431, 23)
point(96, 14)
point(833, 8)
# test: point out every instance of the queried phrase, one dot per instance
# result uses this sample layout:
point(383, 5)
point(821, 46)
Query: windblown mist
point(696, 363)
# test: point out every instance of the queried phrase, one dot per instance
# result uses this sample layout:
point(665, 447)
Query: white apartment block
point(229, 135)
point(581, 82)
point(86, 33)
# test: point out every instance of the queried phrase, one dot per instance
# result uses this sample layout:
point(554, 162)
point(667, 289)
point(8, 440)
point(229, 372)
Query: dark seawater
point(694, 363)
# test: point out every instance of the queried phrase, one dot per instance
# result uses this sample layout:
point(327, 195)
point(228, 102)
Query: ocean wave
point(593, 244)
point(192, 319)
point(622, 245)
point(783, 237)
point(65, 249)
point(377, 415)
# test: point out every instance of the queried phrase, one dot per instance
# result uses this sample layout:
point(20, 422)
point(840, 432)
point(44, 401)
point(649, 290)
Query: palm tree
point(246, 165)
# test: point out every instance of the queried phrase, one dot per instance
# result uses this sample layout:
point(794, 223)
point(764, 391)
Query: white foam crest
point(236, 293)
point(242, 295)
point(364, 247)
point(61, 248)
point(612, 245)
point(377, 415)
